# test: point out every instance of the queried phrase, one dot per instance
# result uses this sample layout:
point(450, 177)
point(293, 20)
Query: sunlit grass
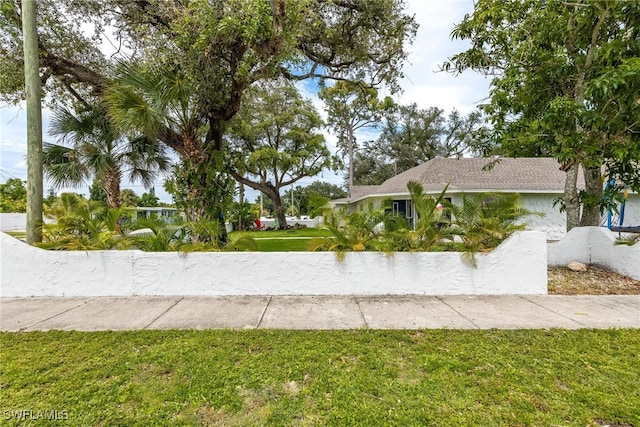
point(367, 377)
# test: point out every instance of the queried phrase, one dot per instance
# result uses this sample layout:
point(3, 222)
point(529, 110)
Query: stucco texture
point(596, 245)
point(518, 266)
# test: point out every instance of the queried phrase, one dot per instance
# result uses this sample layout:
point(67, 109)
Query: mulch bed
point(595, 281)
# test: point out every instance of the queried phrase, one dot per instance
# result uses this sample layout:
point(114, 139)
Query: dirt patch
point(595, 281)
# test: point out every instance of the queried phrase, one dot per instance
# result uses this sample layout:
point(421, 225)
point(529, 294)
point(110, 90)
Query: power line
point(5, 173)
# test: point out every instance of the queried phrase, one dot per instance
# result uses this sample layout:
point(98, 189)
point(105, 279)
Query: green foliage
point(352, 232)
point(200, 200)
point(97, 193)
point(410, 136)
point(628, 240)
point(274, 141)
point(13, 196)
point(195, 61)
point(316, 203)
point(351, 107)
point(242, 216)
point(129, 198)
point(83, 225)
point(98, 149)
point(485, 220)
point(565, 81)
point(149, 199)
point(442, 377)
point(482, 222)
point(432, 230)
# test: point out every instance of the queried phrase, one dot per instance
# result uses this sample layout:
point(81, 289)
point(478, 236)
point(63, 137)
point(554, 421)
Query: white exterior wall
point(631, 212)
point(553, 223)
point(596, 245)
point(518, 266)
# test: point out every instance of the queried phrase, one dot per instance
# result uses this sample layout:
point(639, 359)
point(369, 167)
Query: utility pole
point(34, 122)
point(350, 149)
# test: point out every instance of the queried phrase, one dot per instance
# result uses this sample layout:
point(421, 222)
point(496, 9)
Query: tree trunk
point(594, 190)
point(241, 203)
point(277, 205)
point(350, 150)
point(111, 183)
point(571, 199)
point(213, 151)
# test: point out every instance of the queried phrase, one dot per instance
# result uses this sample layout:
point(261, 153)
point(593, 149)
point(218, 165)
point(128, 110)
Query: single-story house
point(539, 182)
point(162, 213)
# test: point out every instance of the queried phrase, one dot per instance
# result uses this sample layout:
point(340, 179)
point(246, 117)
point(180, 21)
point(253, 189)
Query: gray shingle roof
point(538, 174)
point(523, 175)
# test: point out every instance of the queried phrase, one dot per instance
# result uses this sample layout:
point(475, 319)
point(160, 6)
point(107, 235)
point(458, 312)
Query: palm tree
point(92, 147)
point(485, 220)
point(162, 103)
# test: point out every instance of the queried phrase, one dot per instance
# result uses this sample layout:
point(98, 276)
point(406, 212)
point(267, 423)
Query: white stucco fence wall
point(596, 245)
point(13, 221)
point(16, 221)
point(518, 266)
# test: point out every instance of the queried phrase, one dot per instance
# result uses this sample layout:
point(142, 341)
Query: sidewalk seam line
point(459, 314)
point(264, 311)
point(552, 311)
point(357, 301)
point(56, 315)
point(163, 313)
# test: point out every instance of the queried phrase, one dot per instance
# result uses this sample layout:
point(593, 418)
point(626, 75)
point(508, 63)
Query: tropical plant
point(83, 225)
point(485, 220)
point(431, 230)
point(97, 149)
point(159, 237)
point(480, 223)
point(164, 237)
point(161, 102)
point(242, 216)
point(352, 232)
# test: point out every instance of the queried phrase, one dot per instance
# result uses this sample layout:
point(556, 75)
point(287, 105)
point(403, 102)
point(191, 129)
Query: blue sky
point(422, 85)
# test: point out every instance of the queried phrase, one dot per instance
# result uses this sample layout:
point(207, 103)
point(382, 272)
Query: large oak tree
point(223, 47)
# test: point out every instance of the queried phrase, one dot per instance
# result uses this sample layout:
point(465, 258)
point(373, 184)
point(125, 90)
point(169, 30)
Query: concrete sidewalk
point(331, 312)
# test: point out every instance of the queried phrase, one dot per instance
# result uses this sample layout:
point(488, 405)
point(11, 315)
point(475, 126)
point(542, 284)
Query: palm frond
point(63, 166)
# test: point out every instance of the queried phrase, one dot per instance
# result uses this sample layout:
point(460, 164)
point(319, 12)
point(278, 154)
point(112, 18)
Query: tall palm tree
point(91, 147)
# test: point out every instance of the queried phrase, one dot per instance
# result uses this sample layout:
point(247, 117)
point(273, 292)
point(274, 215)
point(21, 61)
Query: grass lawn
point(293, 232)
point(369, 378)
point(293, 240)
point(17, 234)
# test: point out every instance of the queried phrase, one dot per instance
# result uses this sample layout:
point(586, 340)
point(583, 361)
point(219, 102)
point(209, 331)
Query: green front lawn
point(293, 240)
point(365, 377)
point(293, 232)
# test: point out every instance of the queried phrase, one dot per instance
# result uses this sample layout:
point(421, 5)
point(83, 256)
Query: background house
point(539, 182)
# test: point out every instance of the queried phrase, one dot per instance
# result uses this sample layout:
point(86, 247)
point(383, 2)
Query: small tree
point(13, 196)
point(149, 199)
point(274, 141)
